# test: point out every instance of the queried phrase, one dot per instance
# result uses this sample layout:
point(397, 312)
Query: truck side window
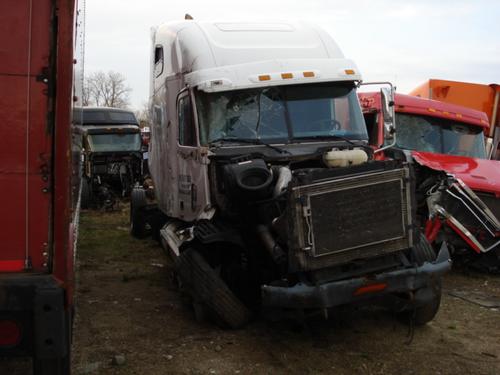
point(187, 133)
point(158, 61)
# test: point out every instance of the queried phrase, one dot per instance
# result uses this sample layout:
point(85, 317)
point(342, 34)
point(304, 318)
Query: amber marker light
point(308, 74)
point(265, 77)
point(286, 75)
point(372, 288)
point(349, 71)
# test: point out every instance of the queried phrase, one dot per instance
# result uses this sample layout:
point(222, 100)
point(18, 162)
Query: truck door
point(27, 55)
point(192, 165)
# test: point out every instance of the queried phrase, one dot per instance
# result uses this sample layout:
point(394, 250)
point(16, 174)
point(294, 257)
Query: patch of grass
point(107, 250)
point(103, 238)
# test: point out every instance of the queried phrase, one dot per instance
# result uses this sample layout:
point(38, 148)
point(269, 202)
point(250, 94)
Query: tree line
point(106, 89)
point(110, 89)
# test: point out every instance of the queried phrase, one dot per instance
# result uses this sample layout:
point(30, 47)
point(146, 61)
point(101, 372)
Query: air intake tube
point(284, 178)
point(249, 179)
point(272, 247)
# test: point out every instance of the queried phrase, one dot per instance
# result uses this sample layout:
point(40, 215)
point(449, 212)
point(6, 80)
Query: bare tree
point(86, 94)
point(106, 90)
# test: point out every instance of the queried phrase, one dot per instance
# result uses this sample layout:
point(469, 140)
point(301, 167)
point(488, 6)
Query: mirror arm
point(393, 143)
point(393, 112)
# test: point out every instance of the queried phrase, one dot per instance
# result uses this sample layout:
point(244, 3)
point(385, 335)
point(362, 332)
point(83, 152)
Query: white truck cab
point(191, 59)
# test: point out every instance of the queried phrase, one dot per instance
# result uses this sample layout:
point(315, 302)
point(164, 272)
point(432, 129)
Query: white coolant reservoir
point(344, 158)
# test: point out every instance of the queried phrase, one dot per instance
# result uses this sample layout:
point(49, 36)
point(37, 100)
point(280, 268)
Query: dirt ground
point(128, 309)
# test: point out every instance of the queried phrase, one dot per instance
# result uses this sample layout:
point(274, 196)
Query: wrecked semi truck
point(112, 155)
point(269, 195)
point(41, 76)
point(458, 188)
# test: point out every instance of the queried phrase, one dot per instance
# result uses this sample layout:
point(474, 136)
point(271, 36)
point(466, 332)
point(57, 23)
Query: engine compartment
point(351, 210)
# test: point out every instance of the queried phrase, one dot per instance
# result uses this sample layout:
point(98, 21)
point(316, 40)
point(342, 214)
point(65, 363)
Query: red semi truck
point(40, 56)
point(459, 188)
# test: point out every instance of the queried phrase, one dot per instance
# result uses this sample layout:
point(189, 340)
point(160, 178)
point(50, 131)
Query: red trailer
point(39, 184)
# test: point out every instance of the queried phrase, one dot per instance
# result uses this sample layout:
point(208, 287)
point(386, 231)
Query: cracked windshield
point(430, 134)
point(281, 113)
point(115, 142)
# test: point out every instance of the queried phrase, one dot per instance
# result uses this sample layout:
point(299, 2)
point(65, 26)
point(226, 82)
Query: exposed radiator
point(352, 217)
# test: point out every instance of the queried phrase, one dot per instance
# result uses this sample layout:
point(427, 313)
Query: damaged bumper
point(336, 293)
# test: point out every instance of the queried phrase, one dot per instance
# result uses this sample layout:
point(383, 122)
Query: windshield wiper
point(218, 142)
point(325, 137)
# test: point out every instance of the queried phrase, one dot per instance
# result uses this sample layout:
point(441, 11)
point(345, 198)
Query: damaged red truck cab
point(39, 169)
point(449, 139)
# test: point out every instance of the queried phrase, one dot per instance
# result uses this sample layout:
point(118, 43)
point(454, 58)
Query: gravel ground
point(130, 320)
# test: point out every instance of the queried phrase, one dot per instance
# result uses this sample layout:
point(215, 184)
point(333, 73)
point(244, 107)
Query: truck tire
point(423, 252)
point(208, 289)
point(137, 216)
point(424, 314)
point(85, 194)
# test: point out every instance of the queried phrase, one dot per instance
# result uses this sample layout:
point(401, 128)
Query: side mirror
point(388, 113)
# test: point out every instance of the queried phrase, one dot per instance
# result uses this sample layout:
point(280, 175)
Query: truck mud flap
point(51, 324)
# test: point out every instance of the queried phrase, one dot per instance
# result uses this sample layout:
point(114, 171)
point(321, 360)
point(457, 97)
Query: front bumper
point(302, 296)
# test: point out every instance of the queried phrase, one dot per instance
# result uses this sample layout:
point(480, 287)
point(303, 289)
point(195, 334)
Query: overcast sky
point(405, 41)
